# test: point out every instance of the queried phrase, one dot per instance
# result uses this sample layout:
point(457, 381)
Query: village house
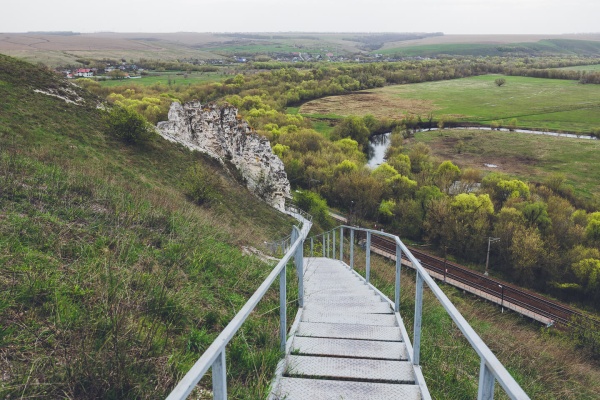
point(84, 73)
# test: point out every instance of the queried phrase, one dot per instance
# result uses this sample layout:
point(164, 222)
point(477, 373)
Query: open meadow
point(168, 78)
point(527, 156)
point(543, 104)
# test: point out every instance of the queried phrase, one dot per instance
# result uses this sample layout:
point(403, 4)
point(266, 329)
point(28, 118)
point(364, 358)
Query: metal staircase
point(348, 340)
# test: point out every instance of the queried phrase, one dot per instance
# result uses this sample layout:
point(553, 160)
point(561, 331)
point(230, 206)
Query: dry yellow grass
point(362, 103)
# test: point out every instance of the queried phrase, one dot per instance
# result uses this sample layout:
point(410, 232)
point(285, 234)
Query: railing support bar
point(341, 243)
point(486, 383)
point(219, 377)
point(282, 309)
point(368, 261)
point(418, 318)
point(351, 248)
point(398, 272)
point(311, 247)
point(324, 245)
point(299, 261)
point(333, 233)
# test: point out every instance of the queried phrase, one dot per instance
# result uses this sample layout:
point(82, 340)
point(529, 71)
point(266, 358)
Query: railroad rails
point(497, 291)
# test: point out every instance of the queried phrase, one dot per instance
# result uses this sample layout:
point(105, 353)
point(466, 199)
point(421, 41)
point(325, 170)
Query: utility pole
point(487, 261)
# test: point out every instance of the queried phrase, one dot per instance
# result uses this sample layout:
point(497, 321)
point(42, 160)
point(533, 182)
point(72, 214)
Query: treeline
point(583, 77)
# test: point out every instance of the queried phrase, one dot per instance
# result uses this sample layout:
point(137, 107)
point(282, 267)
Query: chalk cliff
point(219, 132)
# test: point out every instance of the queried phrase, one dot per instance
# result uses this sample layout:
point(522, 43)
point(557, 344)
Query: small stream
point(378, 144)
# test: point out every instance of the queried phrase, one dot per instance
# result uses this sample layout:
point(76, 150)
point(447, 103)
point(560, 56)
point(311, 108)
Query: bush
point(129, 126)
point(316, 206)
point(201, 186)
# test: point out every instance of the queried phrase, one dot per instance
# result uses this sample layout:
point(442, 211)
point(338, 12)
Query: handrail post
point(328, 244)
point(323, 244)
point(341, 243)
point(351, 248)
point(368, 261)
point(418, 316)
point(311, 247)
point(333, 244)
point(219, 377)
point(398, 271)
point(299, 261)
point(486, 383)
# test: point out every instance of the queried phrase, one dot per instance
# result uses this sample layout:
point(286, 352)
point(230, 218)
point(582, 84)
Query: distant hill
point(64, 48)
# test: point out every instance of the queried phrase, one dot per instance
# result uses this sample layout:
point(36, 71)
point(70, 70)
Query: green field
point(529, 157)
point(544, 104)
point(539, 48)
point(593, 67)
point(174, 77)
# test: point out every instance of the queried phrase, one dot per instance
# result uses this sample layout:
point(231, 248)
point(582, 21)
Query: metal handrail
point(285, 243)
point(214, 356)
point(491, 370)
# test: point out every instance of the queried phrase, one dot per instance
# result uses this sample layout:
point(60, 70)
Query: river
point(378, 144)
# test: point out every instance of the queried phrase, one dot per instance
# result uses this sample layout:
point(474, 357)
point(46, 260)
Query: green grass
point(112, 282)
point(593, 67)
point(164, 78)
point(535, 103)
point(543, 104)
point(530, 157)
point(323, 127)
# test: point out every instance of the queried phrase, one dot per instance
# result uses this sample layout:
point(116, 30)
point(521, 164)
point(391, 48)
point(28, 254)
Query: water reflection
point(378, 144)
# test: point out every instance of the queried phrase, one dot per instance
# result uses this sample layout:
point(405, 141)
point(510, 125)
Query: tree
point(129, 126)
point(446, 174)
point(500, 81)
point(354, 128)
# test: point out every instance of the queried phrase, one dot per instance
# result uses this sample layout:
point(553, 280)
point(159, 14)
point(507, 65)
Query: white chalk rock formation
point(222, 134)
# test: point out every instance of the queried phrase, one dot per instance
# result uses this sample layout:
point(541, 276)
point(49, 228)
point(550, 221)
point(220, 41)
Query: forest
point(549, 236)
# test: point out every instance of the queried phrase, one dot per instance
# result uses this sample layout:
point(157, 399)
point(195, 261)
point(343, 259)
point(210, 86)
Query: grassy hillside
point(540, 48)
point(112, 283)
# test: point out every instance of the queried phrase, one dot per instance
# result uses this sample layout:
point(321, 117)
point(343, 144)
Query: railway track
point(502, 292)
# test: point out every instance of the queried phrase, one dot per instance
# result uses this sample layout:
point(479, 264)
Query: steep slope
point(111, 281)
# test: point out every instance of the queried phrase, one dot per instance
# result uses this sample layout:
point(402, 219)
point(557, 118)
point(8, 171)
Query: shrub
point(129, 126)
point(201, 186)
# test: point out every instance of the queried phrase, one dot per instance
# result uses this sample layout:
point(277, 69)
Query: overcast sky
point(448, 16)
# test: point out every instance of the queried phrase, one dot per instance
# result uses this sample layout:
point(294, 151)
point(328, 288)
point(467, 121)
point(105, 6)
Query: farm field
point(164, 78)
point(544, 104)
point(594, 67)
point(529, 157)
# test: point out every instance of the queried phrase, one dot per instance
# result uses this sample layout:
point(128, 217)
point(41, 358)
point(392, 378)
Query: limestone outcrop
point(219, 132)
